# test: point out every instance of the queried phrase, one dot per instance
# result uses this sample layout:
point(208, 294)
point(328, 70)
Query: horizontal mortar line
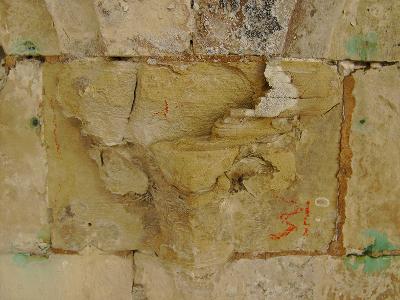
point(267, 255)
point(193, 57)
point(377, 254)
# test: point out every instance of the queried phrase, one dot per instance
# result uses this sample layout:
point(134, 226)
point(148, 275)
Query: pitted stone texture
point(69, 277)
point(356, 29)
point(287, 277)
point(185, 99)
point(26, 28)
point(372, 207)
point(241, 27)
point(85, 211)
point(99, 93)
point(23, 170)
point(77, 27)
point(135, 27)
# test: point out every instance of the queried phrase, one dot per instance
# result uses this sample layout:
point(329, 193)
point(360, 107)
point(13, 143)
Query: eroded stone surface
point(287, 277)
point(86, 209)
point(70, 277)
point(305, 88)
point(247, 186)
point(242, 27)
point(23, 170)
point(372, 214)
point(356, 29)
point(185, 99)
point(98, 93)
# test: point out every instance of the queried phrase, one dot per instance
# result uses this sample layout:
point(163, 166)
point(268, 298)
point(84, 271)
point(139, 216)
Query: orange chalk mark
point(291, 227)
point(306, 216)
point(165, 110)
point(284, 217)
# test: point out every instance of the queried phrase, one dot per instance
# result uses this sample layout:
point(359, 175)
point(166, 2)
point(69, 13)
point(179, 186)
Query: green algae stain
point(23, 259)
point(25, 48)
point(372, 264)
point(381, 242)
point(363, 46)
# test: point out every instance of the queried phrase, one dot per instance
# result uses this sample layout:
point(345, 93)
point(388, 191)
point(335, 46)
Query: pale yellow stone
point(372, 206)
point(134, 27)
point(184, 100)
point(266, 201)
point(26, 28)
point(23, 170)
point(77, 27)
point(286, 277)
point(69, 277)
point(98, 93)
point(120, 172)
point(191, 169)
point(84, 211)
point(353, 29)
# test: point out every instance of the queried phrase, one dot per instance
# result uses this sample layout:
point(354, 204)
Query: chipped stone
point(85, 212)
point(172, 102)
point(98, 93)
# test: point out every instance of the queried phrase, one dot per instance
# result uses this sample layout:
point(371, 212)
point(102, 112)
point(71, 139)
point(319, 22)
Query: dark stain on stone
point(260, 22)
point(35, 122)
point(2, 53)
point(362, 121)
point(29, 46)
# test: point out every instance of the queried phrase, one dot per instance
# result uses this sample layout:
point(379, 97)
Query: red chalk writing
point(165, 110)
point(291, 227)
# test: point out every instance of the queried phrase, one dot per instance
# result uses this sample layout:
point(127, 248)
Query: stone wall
point(203, 149)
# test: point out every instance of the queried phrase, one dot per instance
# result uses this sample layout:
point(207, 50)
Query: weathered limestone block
point(286, 277)
point(69, 277)
point(155, 27)
point(98, 93)
point(355, 29)
point(372, 206)
point(77, 27)
point(185, 99)
point(26, 28)
point(241, 27)
point(23, 170)
point(247, 187)
point(85, 211)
